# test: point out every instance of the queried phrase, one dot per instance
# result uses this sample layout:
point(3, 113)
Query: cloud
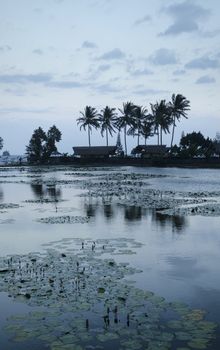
point(203, 62)
point(140, 72)
point(88, 45)
point(5, 48)
point(142, 20)
point(40, 78)
point(103, 67)
point(186, 17)
point(38, 10)
point(24, 110)
point(25, 78)
point(64, 84)
point(210, 34)
point(145, 91)
point(206, 80)
point(38, 52)
point(163, 57)
point(96, 71)
point(179, 72)
point(16, 91)
point(115, 54)
point(106, 88)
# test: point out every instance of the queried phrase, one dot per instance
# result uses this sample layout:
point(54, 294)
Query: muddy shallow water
point(173, 213)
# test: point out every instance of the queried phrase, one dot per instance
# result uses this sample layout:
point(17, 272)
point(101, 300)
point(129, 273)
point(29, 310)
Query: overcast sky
point(57, 56)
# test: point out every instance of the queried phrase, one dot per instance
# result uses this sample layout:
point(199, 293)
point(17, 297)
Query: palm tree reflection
point(176, 222)
point(1, 195)
point(132, 213)
point(90, 207)
point(108, 211)
point(42, 191)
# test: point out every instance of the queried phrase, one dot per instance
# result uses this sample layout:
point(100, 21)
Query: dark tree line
point(196, 145)
point(42, 144)
point(1, 142)
point(136, 120)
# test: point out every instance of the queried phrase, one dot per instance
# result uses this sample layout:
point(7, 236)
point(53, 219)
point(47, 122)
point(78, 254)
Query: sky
point(57, 56)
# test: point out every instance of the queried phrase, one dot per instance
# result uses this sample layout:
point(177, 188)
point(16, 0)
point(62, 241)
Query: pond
point(102, 257)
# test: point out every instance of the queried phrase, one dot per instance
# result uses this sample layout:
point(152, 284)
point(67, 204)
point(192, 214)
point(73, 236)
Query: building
point(94, 152)
point(151, 151)
point(7, 159)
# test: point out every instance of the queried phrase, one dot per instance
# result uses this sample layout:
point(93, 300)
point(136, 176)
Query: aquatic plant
point(86, 300)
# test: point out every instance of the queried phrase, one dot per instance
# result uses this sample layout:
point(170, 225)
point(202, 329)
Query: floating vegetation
point(8, 206)
point(44, 200)
point(52, 182)
point(208, 209)
point(130, 189)
point(86, 303)
point(84, 174)
point(66, 219)
point(137, 195)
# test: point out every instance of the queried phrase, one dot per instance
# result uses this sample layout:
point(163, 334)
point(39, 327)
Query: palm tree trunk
point(138, 138)
point(161, 141)
point(171, 145)
point(106, 137)
point(158, 136)
point(89, 136)
point(125, 140)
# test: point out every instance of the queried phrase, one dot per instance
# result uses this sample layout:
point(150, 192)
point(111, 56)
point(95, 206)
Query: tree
point(1, 142)
point(139, 115)
point(162, 118)
point(178, 108)
point(126, 119)
point(36, 149)
point(89, 120)
point(53, 136)
point(147, 128)
point(107, 121)
point(195, 145)
point(42, 145)
point(119, 150)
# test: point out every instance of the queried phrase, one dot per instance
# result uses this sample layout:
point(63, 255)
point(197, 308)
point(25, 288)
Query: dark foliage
point(196, 145)
point(1, 142)
point(42, 144)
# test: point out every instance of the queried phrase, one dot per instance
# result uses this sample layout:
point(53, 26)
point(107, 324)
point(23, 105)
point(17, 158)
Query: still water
point(179, 258)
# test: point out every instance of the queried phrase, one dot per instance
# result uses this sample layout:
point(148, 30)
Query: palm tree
point(147, 128)
point(89, 120)
point(126, 119)
point(162, 118)
point(179, 106)
point(139, 114)
point(107, 120)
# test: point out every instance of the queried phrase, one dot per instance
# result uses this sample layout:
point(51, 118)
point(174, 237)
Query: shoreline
point(212, 163)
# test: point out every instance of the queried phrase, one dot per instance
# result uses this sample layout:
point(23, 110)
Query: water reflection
point(91, 207)
point(41, 191)
point(178, 223)
point(133, 213)
point(1, 194)
point(54, 192)
point(184, 267)
point(108, 211)
point(37, 190)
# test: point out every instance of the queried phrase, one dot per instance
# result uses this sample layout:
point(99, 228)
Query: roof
point(94, 150)
point(150, 149)
point(56, 154)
